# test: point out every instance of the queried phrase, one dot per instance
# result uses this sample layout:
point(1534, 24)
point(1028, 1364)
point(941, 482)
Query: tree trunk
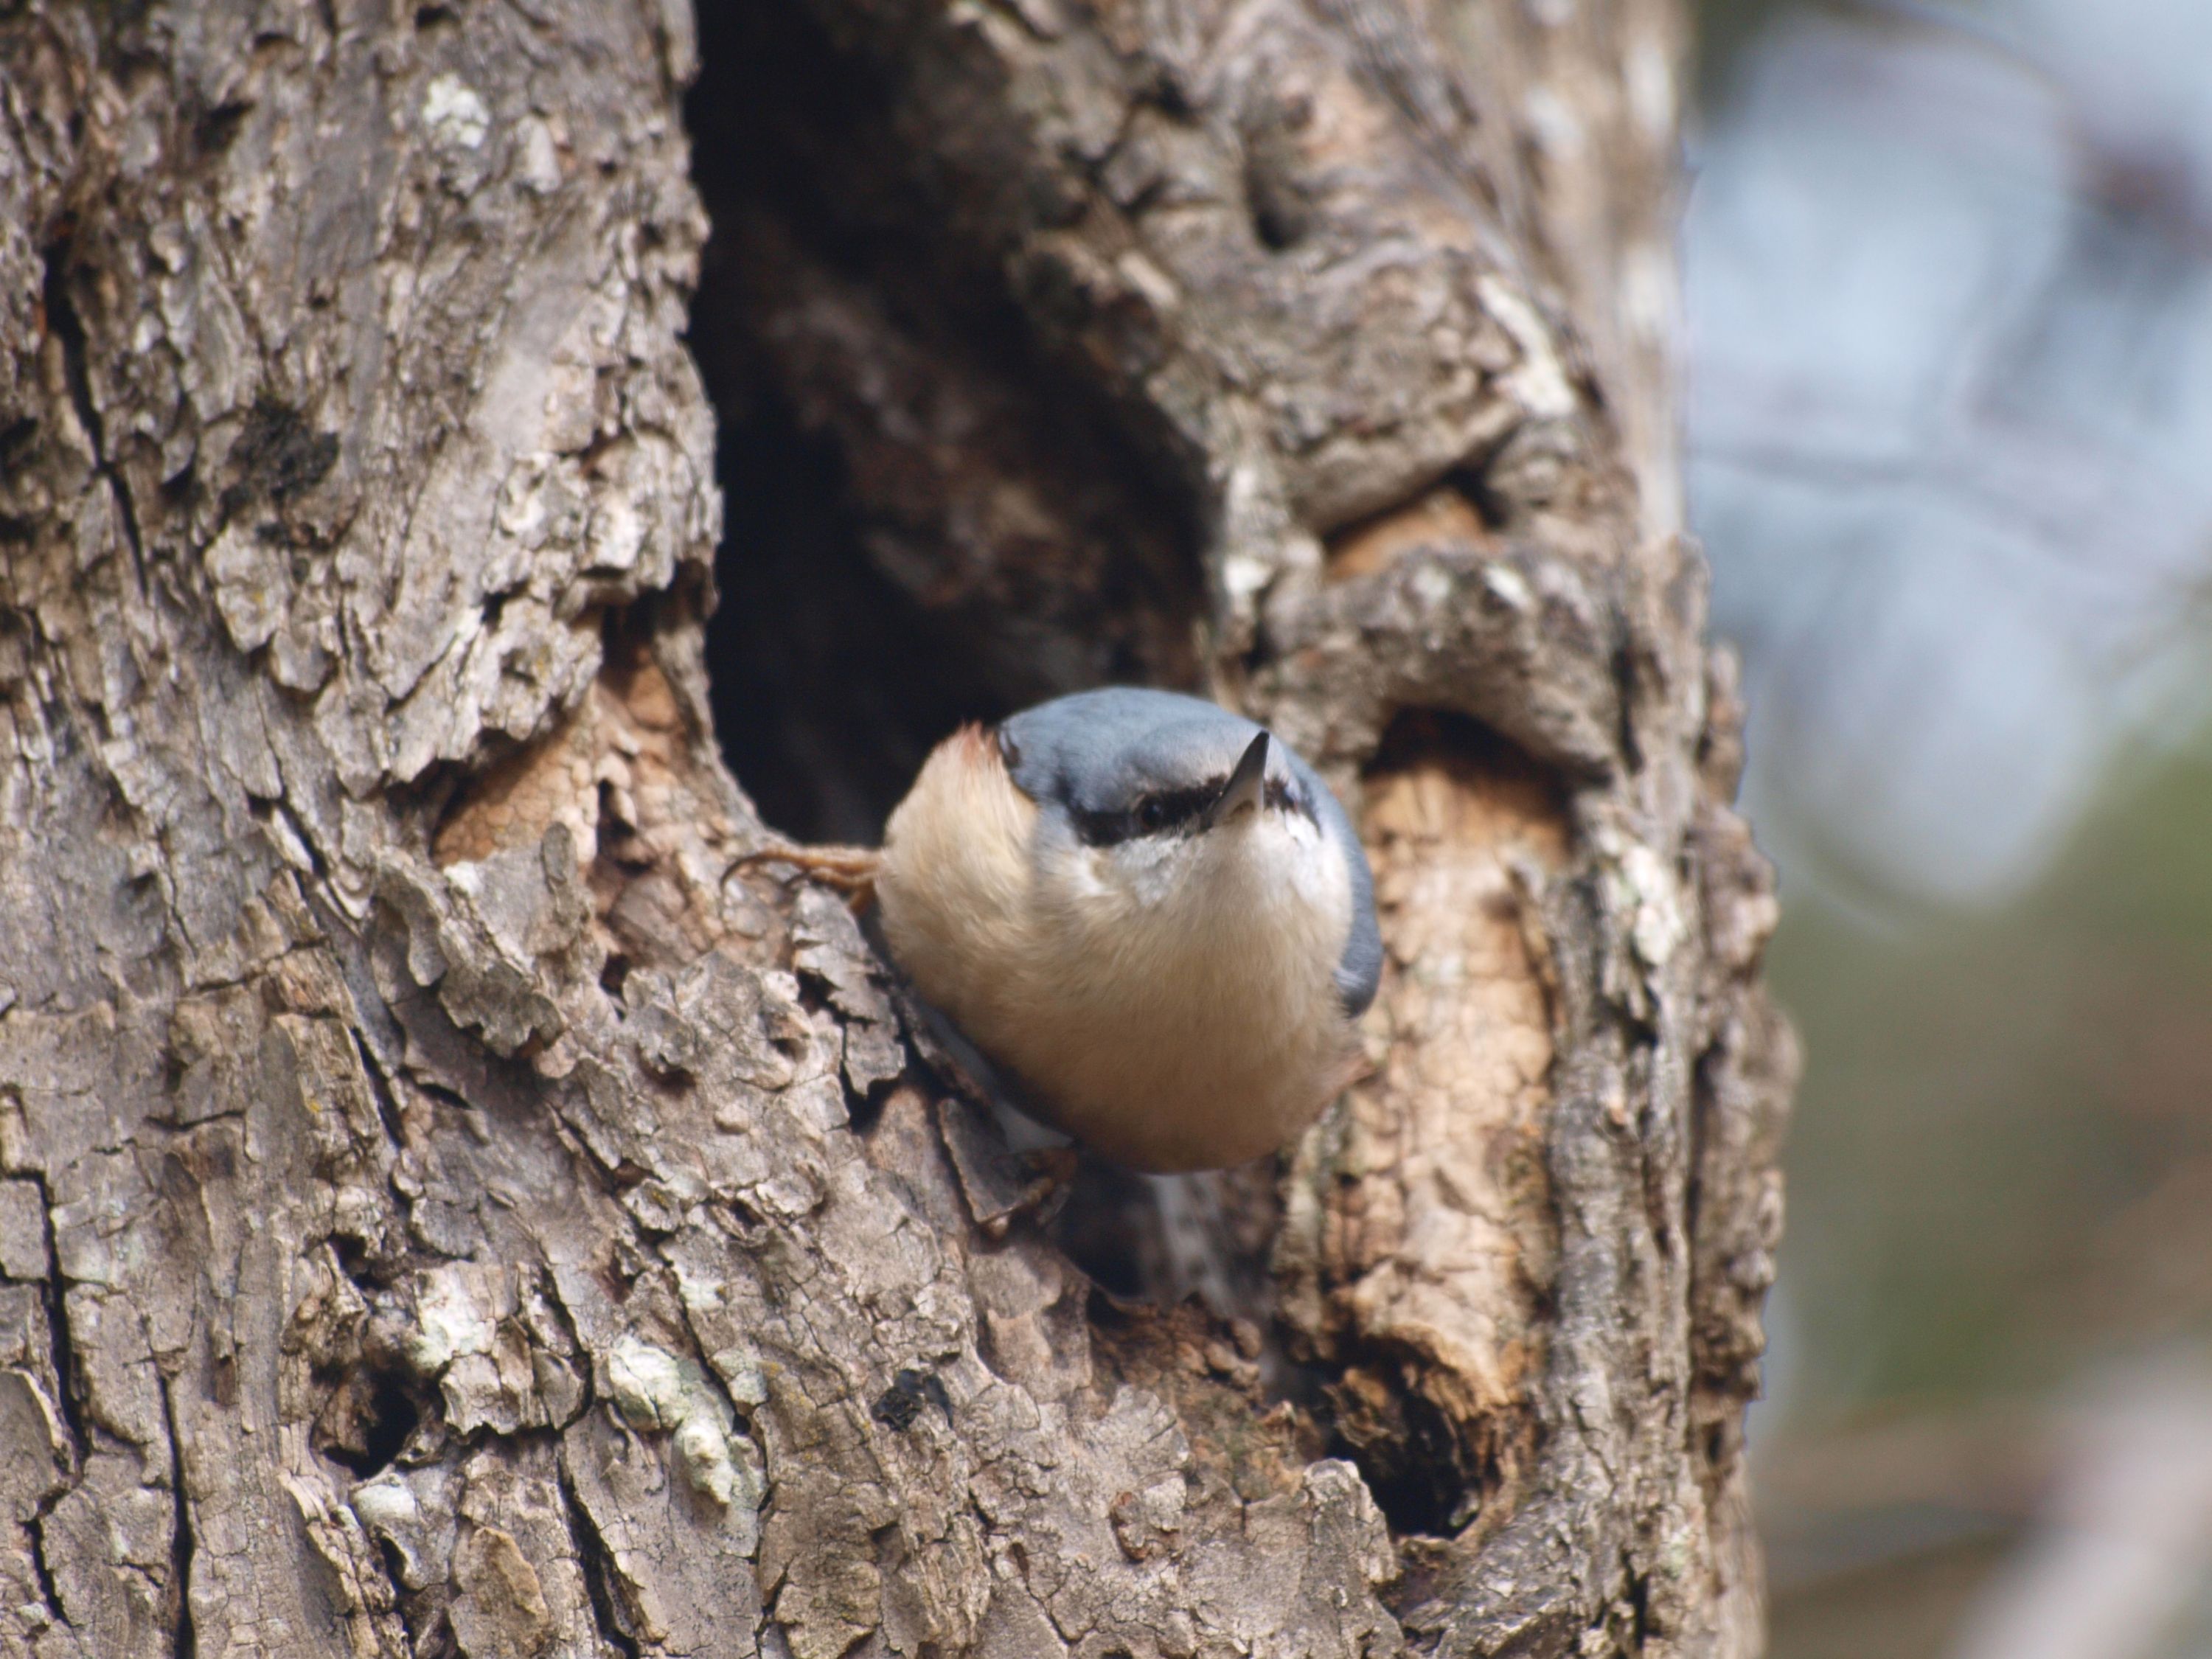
point(452, 1204)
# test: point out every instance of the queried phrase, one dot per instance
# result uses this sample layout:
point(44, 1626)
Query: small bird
point(1147, 913)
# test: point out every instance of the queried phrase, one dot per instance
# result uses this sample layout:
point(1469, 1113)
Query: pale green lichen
point(450, 1319)
point(455, 113)
point(1660, 927)
point(656, 1391)
point(647, 1384)
point(1540, 385)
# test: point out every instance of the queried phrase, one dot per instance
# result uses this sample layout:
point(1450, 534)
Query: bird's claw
point(850, 870)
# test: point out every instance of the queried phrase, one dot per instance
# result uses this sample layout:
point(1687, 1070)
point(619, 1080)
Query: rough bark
point(448, 1203)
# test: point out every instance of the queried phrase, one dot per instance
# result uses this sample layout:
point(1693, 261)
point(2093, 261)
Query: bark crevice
point(50, 1596)
point(76, 376)
point(592, 1552)
point(182, 1544)
point(67, 1382)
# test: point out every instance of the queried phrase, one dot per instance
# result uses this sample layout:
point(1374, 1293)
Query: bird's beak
point(1245, 787)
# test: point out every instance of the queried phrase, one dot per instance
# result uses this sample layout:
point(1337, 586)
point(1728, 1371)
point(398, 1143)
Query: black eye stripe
point(1172, 810)
point(1157, 813)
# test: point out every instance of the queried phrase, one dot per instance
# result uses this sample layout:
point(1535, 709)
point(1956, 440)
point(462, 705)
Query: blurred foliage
point(1899, 1611)
point(2000, 1183)
point(2002, 1161)
point(2000, 1167)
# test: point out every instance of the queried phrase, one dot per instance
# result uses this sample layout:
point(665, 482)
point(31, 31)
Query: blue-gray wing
point(1359, 970)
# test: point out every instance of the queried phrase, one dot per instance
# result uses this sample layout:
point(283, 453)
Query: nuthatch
point(1147, 912)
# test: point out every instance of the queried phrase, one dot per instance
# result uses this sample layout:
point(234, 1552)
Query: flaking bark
point(450, 1203)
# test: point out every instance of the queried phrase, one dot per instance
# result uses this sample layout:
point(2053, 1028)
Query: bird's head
point(1163, 803)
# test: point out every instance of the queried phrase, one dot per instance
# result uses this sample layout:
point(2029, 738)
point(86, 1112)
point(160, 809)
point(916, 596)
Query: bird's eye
point(1151, 812)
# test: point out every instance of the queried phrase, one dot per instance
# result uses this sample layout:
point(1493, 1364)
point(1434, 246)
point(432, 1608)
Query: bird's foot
point(850, 870)
point(1052, 1176)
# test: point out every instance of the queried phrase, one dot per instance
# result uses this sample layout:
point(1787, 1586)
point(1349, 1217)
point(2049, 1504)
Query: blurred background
point(1949, 292)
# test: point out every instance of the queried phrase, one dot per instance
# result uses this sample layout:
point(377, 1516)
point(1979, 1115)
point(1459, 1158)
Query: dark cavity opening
point(371, 1422)
point(1407, 1451)
point(929, 518)
point(1466, 749)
